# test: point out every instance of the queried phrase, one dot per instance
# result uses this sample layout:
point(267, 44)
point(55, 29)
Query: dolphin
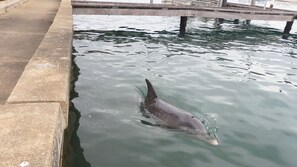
point(172, 117)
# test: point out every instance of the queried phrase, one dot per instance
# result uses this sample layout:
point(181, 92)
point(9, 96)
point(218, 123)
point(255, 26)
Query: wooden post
point(272, 3)
point(222, 3)
point(182, 26)
point(218, 22)
point(253, 3)
point(288, 27)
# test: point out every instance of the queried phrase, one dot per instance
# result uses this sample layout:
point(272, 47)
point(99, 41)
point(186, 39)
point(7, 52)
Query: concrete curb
point(46, 78)
point(8, 4)
point(36, 136)
point(36, 113)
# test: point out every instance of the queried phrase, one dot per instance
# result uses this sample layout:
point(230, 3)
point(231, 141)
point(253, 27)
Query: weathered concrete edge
point(46, 78)
point(36, 136)
point(9, 4)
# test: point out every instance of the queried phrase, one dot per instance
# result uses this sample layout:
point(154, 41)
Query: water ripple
point(243, 74)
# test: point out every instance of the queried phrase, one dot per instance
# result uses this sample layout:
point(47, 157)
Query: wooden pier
point(226, 11)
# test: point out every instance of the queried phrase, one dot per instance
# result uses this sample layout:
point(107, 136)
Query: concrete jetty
point(35, 65)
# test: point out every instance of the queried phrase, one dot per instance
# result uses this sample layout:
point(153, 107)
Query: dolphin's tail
point(151, 94)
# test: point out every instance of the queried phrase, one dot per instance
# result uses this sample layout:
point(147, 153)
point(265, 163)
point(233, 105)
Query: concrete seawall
point(34, 117)
point(46, 78)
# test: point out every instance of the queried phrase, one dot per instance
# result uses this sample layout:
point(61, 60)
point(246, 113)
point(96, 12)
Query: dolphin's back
point(173, 117)
point(169, 115)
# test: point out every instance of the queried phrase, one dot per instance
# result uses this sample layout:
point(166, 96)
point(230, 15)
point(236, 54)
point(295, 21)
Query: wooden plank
point(230, 8)
point(207, 14)
point(109, 8)
point(248, 7)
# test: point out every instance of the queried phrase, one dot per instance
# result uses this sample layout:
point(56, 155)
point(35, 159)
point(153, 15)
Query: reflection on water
point(73, 153)
point(244, 75)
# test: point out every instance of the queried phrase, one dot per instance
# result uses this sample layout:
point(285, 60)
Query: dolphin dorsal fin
point(151, 94)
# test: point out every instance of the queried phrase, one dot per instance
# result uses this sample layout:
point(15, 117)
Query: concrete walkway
point(35, 66)
point(22, 30)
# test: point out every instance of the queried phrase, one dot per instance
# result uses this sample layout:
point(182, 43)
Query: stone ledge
point(46, 78)
point(31, 133)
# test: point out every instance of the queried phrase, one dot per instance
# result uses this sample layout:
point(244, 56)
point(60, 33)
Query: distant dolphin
point(172, 117)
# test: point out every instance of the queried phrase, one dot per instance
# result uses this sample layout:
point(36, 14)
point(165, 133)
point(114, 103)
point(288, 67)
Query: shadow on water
point(224, 37)
point(73, 152)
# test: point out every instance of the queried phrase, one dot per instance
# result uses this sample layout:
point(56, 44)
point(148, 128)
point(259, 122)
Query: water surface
point(243, 75)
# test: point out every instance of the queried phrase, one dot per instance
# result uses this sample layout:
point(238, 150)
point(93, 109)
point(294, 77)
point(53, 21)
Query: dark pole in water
point(287, 29)
point(236, 21)
point(253, 3)
point(182, 26)
point(218, 22)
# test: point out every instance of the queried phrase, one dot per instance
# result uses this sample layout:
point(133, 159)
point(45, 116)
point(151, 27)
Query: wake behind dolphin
point(172, 117)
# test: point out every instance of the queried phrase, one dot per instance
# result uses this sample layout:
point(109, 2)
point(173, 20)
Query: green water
point(242, 75)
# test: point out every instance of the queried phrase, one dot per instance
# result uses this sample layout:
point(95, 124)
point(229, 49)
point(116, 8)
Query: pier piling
point(218, 22)
point(287, 29)
point(222, 10)
point(183, 24)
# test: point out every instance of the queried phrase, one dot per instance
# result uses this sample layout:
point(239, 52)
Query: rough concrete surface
point(31, 133)
point(6, 5)
point(48, 72)
point(35, 65)
point(22, 30)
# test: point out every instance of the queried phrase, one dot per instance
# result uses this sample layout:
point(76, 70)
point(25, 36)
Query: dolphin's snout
point(210, 140)
point(214, 142)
